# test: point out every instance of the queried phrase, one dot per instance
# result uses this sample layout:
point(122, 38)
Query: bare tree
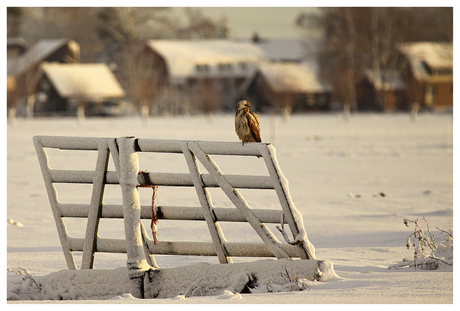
point(119, 26)
point(339, 54)
point(355, 39)
point(143, 77)
point(207, 97)
point(76, 23)
point(14, 19)
point(123, 31)
point(27, 85)
point(201, 27)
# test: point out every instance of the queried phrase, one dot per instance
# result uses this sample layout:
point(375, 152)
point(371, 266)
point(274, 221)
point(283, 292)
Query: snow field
point(336, 172)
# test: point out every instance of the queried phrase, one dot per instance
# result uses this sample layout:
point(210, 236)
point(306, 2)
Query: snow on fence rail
point(137, 244)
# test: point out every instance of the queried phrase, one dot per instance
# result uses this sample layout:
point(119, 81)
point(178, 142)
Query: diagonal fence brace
point(215, 230)
point(233, 194)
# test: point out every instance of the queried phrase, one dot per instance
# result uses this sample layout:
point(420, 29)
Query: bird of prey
point(246, 123)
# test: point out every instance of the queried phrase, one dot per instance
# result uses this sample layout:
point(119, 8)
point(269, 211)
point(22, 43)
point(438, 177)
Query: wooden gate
point(139, 247)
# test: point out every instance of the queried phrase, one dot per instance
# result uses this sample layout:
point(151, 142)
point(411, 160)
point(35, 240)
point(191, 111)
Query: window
point(444, 72)
point(202, 67)
point(310, 99)
point(225, 67)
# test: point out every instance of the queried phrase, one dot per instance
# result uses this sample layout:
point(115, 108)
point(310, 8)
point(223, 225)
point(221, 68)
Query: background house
point(203, 74)
point(49, 50)
point(383, 91)
point(24, 67)
point(287, 87)
point(15, 47)
point(428, 73)
point(65, 88)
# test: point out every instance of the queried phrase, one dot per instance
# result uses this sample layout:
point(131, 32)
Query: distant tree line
point(103, 31)
point(354, 39)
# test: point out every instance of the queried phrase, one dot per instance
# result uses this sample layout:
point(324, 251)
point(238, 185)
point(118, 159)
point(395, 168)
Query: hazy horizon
point(269, 22)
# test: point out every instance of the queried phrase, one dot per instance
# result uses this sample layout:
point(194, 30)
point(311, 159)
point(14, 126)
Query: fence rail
point(137, 243)
point(151, 145)
point(162, 179)
point(171, 213)
point(185, 248)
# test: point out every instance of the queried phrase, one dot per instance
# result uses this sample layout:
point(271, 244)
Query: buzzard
point(246, 123)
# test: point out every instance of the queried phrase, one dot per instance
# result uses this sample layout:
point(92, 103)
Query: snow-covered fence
point(137, 244)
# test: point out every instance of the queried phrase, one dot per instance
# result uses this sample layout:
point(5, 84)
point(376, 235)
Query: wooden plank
point(95, 209)
point(204, 197)
point(187, 248)
point(153, 145)
point(209, 147)
point(293, 216)
point(70, 143)
point(227, 214)
point(162, 179)
point(53, 198)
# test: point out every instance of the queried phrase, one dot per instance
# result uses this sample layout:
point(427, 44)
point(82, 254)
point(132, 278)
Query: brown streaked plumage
point(246, 123)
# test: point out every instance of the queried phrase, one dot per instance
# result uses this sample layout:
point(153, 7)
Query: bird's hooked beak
point(242, 105)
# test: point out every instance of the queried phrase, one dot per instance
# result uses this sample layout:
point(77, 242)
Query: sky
point(266, 21)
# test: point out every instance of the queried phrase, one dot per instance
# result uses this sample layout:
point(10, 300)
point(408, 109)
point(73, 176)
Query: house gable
point(91, 81)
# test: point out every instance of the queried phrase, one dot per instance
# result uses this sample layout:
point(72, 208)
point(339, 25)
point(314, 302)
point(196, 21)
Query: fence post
point(129, 169)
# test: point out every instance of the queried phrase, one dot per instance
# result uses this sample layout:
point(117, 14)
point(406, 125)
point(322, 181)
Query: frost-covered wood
point(293, 216)
point(151, 145)
point(218, 148)
point(69, 143)
point(161, 179)
point(129, 169)
point(95, 206)
point(53, 198)
point(264, 233)
point(186, 248)
point(128, 174)
point(215, 230)
point(172, 213)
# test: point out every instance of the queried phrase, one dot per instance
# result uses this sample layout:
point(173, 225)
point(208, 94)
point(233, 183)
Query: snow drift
point(194, 280)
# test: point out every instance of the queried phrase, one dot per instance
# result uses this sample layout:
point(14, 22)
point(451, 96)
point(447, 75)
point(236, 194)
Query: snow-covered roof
point(35, 54)
point(183, 56)
point(16, 42)
point(387, 80)
point(288, 49)
point(291, 77)
point(436, 55)
point(94, 81)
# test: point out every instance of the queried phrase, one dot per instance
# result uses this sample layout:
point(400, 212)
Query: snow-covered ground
point(354, 183)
